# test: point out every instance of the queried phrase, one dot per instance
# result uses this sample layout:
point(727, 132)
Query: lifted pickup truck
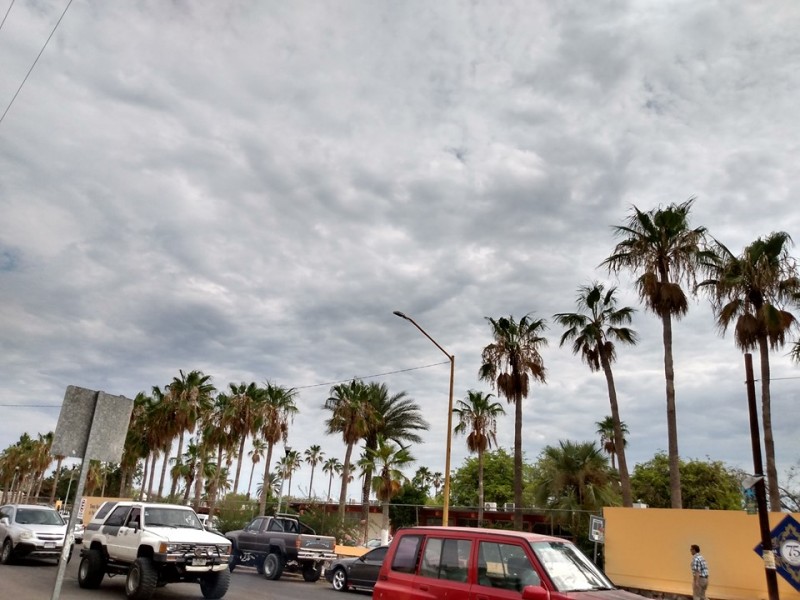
point(282, 543)
point(153, 545)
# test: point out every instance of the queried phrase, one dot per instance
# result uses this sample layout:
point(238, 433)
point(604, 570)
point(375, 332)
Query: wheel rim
point(338, 579)
point(6, 550)
point(133, 580)
point(84, 570)
point(269, 566)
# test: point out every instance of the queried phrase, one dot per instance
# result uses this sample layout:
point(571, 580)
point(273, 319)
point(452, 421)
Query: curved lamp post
point(452, 358)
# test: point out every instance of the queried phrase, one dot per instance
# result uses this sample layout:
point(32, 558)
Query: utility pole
point(760, 486)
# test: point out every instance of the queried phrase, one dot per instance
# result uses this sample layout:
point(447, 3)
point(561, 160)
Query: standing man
point(699, 574)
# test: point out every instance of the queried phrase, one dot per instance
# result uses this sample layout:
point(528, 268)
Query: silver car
point(28, 530)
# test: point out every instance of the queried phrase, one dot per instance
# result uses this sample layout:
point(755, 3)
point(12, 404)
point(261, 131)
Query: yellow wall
point(648, 549)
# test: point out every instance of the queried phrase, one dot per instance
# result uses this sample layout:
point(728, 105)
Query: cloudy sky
point(251, 188)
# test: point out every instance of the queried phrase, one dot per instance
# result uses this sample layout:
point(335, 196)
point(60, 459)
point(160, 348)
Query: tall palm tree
point(256, 454)
point(188, 395)
point(351, 413)
point(388, 461)
point(593, 332)
point(422, 479)
point(314, 456)
point(437, 480)
point(278, 408)
point(293, 462)
point(395, 417)
point(245, 418)
point(752, 291)
point(607, 433)
point(664, 251)
point(332, 467)
point(508, 364)
point(477, 419)
point(135, 448)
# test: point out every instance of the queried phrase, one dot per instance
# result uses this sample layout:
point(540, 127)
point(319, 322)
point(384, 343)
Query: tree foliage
point(704, 484)
point(498, 479)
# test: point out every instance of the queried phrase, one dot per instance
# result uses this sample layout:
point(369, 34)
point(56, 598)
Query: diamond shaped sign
point(786, 546)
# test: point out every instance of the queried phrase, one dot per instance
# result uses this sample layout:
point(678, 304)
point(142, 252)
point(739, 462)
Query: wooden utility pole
point(760, 486)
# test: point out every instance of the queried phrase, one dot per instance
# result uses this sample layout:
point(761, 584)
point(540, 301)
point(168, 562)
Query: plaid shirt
point(699, 565)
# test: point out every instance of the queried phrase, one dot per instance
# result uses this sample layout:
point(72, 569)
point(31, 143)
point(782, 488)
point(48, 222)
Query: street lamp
point(452, 358)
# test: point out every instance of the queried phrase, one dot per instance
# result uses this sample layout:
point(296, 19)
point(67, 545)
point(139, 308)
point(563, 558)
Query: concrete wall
point(648, 549)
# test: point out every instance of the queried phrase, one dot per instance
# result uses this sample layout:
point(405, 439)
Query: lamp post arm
point(425, 333)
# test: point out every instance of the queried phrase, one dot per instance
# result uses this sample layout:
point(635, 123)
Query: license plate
point(49, 544)
point(199, 562)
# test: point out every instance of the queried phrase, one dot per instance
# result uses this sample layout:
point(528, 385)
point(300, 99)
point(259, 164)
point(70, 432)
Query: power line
point(302, 387)
point(35, 61)
point(6, 15)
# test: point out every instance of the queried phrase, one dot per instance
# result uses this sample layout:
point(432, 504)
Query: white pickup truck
point(153, 545)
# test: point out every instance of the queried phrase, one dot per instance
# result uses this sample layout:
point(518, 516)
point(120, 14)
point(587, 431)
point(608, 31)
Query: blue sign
point(786, 546)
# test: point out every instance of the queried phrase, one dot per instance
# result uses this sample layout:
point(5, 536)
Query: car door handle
point(424, 588)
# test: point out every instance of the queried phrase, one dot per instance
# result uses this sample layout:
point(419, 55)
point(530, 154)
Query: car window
point(134, 520)
point(38, 516)
point(171, 517)
point(104, 510)
point(275, 525)
point(117, 516)
point(378, 554)
point(405, 557)
point(568, 567)
point(505, 566)
point(445, 559)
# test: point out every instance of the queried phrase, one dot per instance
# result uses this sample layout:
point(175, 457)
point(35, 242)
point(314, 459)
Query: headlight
point(165, 548)
point(26, 534)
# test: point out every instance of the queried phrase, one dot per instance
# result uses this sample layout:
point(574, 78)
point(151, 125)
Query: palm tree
point(278, 410)
point(188, 395)
point(245, 415)
point(256, 454)
point(477, 419)
point(314, 456)
point(508, 363)
point(395, 417)
point(437, 480)
point(387, 461)
point(593, 332)
point(293, 462)
point(607, 433)
point(573, 478)
point(422, 479)
point(660, 246)
point(332, 466)
point(351, 413)
point(751, 292)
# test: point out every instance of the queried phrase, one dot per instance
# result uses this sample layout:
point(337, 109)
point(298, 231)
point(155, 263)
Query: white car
point(28, 530)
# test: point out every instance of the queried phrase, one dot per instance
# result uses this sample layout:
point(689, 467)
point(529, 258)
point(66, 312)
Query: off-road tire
point(312, 571)
point(142, 580)
point(273, 566)
point(339, 580)
point(91, 570)
point(215, 585)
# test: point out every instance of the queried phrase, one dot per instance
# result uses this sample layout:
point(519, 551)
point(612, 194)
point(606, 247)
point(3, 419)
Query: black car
point(361, 572)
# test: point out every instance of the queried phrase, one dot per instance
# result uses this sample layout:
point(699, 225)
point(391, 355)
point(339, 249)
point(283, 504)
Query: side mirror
point(535, 592)
point(5, 521)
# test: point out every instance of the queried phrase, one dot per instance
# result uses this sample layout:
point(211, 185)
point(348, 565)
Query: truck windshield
point(568, 567)
point(171, 517)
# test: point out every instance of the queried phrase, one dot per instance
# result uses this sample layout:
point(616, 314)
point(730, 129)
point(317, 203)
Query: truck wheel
point(215, 585)
point(91, 570)
point(7, 553)
point(273, 566)
point(142, 580)
point(311, 571)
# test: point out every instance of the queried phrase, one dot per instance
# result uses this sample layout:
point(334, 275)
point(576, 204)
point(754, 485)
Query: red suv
point(461, 563)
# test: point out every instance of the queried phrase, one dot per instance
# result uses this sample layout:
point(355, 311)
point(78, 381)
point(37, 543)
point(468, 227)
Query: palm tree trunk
point(178, 460)
point(330, 485)
point(164, 466)
point(239, 465)
point(672, 421)
point(480, 487)
point(385, 527)
point(345, 477)
point(212, 493)
point(199, 478)
point(619, 440)
point(769, 441)
point(518, 464)
point(311, 483)
point(265, 491)
point(153, 459)
point(365, 490)
point(250, 481)
point(144, 476)
point(57, 478)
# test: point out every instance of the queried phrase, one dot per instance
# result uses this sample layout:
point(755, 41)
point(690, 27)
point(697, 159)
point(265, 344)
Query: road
point(35, 580)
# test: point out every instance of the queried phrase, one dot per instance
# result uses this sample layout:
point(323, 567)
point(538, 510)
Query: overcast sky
point(251, 188)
